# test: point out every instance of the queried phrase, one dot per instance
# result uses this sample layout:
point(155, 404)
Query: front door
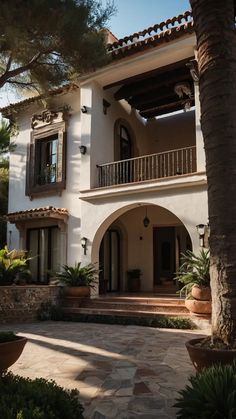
point(109, 260)
point(164, 255)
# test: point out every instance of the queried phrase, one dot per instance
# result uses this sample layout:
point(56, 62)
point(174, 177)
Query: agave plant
point(210, 394)
point(194, 270)
point(78, 276)
point(12, 264)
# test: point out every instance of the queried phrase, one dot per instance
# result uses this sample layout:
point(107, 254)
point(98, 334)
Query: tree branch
point(12, 73)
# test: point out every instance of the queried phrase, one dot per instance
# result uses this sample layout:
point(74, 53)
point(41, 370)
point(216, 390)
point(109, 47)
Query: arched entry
point(154, 248)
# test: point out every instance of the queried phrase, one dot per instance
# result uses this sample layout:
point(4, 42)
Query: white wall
point(69, 198)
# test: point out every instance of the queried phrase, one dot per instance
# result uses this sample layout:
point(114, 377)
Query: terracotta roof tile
point(152, 36)
point(36, 213)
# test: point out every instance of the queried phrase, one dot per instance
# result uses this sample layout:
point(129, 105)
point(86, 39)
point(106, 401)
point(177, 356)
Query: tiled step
point(121, 312)
point(155, 308)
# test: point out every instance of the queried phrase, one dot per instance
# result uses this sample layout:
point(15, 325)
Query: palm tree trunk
point(216, 43)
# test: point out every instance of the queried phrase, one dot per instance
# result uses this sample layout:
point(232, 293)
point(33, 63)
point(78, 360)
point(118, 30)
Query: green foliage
point(12, 264)
point(7, 336)
point(22, 398)
point(156, 321)
point(210, 394)
point(194, 269)
point(78, 276)
point(44, 43)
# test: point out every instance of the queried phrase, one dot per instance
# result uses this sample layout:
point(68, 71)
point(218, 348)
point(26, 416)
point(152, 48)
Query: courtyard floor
point(123, 372)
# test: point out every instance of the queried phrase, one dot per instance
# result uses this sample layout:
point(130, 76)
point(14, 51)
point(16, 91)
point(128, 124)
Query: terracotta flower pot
point(205, 357)
point(201, 293)
point(198, 306)
point(10, 352)
point(80, 292)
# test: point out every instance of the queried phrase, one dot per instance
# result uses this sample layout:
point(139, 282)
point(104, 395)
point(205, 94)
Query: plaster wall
point(171, 132)
point(69, 198)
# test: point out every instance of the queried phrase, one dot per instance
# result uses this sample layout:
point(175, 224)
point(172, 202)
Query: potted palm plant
point(194, 276)
point(13, 266)
point(78, 280)
point(11, 347)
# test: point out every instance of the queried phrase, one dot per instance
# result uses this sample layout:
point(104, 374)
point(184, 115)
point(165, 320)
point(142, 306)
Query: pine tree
point(45, 43)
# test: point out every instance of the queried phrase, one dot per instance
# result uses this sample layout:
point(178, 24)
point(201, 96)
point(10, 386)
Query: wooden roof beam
point(164, 109)
point(126, 92)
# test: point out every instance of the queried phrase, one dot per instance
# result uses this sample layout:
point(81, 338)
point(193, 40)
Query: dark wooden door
point(163, 254)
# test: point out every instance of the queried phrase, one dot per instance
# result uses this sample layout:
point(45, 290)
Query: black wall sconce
point(146, 220)
point(201, 229)
point(83, 149)
point(106, 105)
point(84, 109)
point(84, 244)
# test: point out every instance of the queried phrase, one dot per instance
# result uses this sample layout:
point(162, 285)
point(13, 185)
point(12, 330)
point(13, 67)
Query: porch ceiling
point(153, 93)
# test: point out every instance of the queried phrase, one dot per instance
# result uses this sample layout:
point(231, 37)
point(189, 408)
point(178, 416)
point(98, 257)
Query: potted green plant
point(11, 347)
point(13, 266)
point(78, 280)
point(194, 275)
point(133, 280)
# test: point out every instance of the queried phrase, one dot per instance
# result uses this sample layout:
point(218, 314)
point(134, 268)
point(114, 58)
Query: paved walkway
point(123, 372)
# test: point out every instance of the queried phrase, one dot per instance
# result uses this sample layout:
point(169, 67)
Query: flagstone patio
point(123, 372)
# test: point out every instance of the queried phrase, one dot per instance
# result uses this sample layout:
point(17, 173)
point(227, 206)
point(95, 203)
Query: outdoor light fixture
point(106, 105)
point(201, 229)
point(83, 149)
point(146, 220)
point(84, 109)
point(84, 244)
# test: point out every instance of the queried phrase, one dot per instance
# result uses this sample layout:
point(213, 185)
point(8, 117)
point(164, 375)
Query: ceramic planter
point(198, 307)
point(10, 352)
point(201, 293)
point(205, 358)
point(79, 292)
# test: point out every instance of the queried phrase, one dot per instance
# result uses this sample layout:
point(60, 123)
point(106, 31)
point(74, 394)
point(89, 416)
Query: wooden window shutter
point(30, 169)
point(61, 158)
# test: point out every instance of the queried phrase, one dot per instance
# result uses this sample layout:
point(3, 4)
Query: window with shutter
point(46, 160)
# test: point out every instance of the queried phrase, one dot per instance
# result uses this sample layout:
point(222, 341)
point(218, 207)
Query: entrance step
point(122, 312)
point(129, 305)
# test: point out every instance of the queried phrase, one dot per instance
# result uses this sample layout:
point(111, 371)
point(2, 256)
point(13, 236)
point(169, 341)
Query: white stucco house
point(113, 171)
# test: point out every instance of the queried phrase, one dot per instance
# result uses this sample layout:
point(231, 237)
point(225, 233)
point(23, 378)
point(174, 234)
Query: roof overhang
point(38, 213)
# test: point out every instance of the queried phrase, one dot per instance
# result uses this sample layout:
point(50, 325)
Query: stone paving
point(123, 372)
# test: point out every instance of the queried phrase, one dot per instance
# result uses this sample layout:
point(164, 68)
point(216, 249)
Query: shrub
point(156, 321)
point(13, 264)
point(22, 398)
point(210, 394)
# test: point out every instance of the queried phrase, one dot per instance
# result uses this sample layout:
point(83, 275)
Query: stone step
point(132, 306)
point(126, 300)
point(121, 312)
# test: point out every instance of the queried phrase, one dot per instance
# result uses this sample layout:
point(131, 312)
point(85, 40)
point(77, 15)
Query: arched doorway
point(154, 248)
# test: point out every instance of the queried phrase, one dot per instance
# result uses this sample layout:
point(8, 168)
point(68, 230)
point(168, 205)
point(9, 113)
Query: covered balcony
point(149, 167)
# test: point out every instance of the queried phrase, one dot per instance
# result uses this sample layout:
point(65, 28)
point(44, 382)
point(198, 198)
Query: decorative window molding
point(46, 154)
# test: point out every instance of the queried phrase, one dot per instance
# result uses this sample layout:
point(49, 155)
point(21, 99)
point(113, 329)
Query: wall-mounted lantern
point(201, 229)
point(83, 149)
point(84, 244)
point(84, 109)
point(146, 220)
